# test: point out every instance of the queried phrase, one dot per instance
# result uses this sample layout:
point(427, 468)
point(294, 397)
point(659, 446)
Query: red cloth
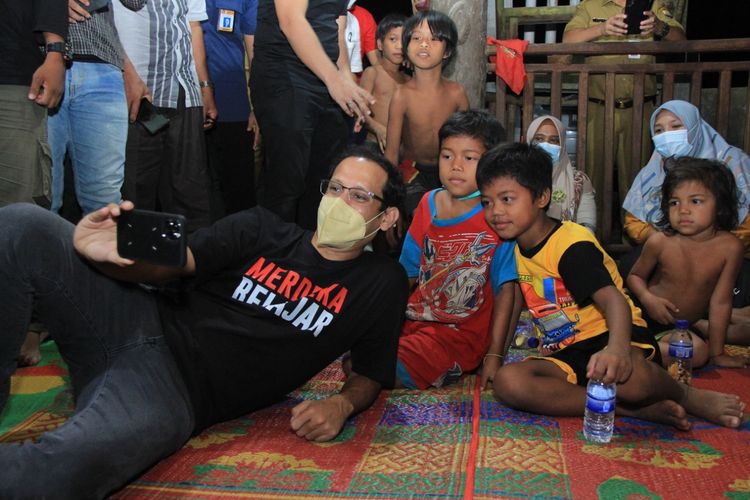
point(367, 29)
point(509, 62)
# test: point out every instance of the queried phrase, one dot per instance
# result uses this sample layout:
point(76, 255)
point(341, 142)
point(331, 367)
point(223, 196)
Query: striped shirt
point(96, 37)
point(157, 40)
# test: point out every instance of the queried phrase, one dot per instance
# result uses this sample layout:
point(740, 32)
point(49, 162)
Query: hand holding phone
point(156, 237)
point(150, 118)
point(634, 10)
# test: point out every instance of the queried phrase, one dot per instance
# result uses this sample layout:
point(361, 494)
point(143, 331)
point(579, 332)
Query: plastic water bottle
point(599, 416)
point(681, 353)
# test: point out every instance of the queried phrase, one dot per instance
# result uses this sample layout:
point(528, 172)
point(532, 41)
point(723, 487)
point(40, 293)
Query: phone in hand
point(155, 237)
point(634, 10)
point(95, 5)
point(150, 118)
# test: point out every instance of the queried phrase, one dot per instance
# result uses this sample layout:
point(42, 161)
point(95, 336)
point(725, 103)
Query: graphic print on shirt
point(452, 278)
point(553, 310)
point(290, 296)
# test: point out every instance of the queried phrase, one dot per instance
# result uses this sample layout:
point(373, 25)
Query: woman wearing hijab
point(572, 192)
point(677, 129)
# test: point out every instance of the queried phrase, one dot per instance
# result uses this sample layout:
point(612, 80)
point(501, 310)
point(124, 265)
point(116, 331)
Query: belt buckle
point(623, 103)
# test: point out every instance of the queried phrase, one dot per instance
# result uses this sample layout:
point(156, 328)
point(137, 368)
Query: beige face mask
point(339, 225)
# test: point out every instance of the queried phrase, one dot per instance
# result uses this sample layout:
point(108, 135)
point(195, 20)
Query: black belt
point(622, 103)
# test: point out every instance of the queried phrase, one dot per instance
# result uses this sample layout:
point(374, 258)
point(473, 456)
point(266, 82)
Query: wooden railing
point(555, 84)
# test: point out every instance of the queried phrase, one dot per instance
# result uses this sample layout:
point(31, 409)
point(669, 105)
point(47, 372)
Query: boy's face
point(457, 163)
point(692, 210)
point(510, 209)
point(424, 50)
point(390, 46)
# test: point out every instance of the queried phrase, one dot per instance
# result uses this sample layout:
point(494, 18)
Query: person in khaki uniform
point(604, 21)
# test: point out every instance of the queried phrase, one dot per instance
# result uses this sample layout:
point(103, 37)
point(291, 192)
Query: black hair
point(388, 23)
point(394, 190)
point(473, 123)
point(711, 173)
point(442, 27)
point(530, 166)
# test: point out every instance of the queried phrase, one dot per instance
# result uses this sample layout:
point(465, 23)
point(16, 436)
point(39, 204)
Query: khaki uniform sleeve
point(581, 19)
point(636, 229)
point(663, 11)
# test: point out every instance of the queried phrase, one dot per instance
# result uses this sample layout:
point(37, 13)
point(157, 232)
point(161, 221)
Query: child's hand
point(660, 309)
point(489, 367)
point(609, 365)
point(728, 361)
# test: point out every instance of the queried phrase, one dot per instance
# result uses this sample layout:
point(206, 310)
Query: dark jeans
point(302, 134)
point(131, 405)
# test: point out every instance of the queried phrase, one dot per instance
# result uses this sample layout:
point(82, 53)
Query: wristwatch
point(663, 31)
point(61, 47)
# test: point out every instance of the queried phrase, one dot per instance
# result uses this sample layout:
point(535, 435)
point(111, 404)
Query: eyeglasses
point(356, 194)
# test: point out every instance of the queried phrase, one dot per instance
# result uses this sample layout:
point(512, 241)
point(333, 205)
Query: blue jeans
point(131, 405)
point(92, 126)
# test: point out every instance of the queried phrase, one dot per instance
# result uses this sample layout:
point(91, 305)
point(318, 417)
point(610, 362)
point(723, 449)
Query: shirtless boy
point(420, 106)
point(689, 269)
point(381, 80)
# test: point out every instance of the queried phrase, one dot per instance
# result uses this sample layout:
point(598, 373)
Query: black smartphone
point(150, 118)
point(156, 237)
point(634, 10)
point(95, 5)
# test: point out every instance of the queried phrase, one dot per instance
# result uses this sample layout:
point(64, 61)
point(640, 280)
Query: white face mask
point(672, 143)
point(551, 149)
point(339, 225)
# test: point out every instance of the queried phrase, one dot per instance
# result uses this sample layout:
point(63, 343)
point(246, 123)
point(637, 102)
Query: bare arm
point(613, 364)
point(201, 67)
point(659, 308)
point(135, 88)
point(95, 238)
point(396, 112)
point(322, 420)
point(501, 318)
point(306, 45)
point(720, 308)
point(252, 122)
point(48, 81)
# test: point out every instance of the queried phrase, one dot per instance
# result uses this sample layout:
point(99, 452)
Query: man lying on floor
point(268, 306)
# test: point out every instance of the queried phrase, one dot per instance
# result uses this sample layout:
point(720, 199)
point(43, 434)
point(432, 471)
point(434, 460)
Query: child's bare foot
point(716, 407)
point(29, 354)
point(663, 412)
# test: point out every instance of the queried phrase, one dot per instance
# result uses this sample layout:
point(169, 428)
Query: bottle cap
point(682, 324)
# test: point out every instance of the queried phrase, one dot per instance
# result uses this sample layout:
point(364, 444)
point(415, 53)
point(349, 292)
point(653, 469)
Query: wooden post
point(469, 65)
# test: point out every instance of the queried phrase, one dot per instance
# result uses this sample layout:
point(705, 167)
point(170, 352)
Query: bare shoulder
point(728, 243)
point(656, 242)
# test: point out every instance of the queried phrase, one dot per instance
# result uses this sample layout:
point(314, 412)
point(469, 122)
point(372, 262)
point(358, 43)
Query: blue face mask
point(672, 143)
point(551, 149)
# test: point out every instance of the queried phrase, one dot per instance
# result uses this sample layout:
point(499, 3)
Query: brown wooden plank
point(725, 101)
point(609, 158)
point(500, 100)
point(528, 103)
point(637, 123)
point(583, 114)
point(556, 94)
point(696, 84)
point(667, 86)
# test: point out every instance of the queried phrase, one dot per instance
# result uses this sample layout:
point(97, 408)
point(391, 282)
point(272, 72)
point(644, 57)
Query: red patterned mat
point(453, 443)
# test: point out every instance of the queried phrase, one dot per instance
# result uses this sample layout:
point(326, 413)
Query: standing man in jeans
point(91, 124)
point(300, 82)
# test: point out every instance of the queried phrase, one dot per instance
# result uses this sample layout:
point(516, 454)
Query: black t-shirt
point(21, 26)
point(275, 65)
point(265, 312)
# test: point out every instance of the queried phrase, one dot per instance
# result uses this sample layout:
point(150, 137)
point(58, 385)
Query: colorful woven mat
point(455, 443)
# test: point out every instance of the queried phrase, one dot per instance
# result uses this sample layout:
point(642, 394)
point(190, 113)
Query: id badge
point(226, 21)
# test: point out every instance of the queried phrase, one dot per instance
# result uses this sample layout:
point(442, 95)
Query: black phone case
point(634, 10)
point(150, 118)
point(155, 237)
